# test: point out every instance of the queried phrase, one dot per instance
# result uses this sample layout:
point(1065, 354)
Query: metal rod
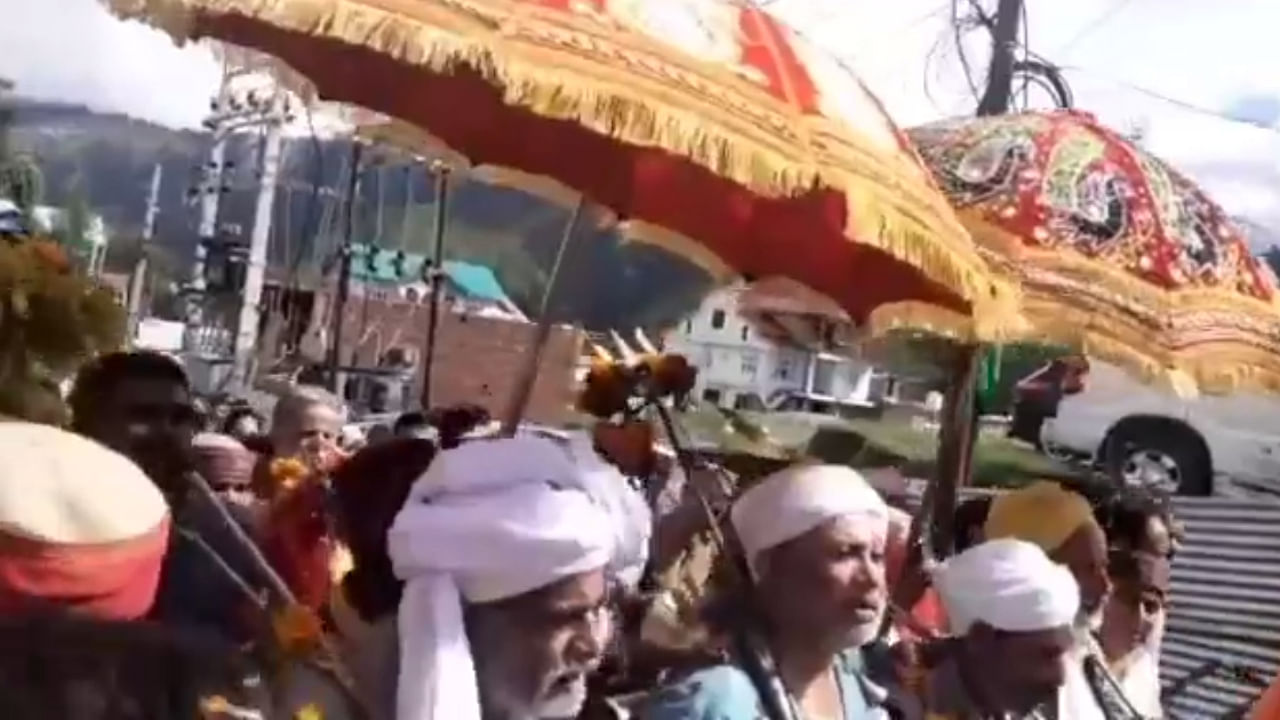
point(276, 583)
point(529, 373)
point(756, 658)
point(344, 266)
point(441, 171)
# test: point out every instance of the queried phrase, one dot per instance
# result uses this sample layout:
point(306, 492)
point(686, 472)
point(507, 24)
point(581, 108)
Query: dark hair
point(409, 420)
point(96, 380)
point(76, 668)
point(241, 411)
point(970, 517)
point(1126, 514)
point(369, 489)
point(452, 423)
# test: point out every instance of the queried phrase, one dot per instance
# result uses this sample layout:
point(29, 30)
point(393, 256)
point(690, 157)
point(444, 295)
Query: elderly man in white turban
point(814, 538)
point(1061, 522)
point(503, 554)
point(1011, 609)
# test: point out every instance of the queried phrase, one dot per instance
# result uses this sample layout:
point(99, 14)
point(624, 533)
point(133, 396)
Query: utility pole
point(956, 444)
point(256, 264)
point(231, 112)
point(433, 271)
point(138, 278)
point(1004, 44)
point(344, 266)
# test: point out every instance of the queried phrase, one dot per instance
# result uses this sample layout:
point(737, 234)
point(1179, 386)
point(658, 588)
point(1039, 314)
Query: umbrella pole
point(933, 524)
point(436, 276)
point(956, 440)
point(529, 373)
point(756, 657)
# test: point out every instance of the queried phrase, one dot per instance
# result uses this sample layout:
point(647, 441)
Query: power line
point(1094, 24)
point(1184, 104)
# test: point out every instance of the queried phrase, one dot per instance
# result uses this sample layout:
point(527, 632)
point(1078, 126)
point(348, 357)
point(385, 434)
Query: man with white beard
point(814, 538)
point(503, 553)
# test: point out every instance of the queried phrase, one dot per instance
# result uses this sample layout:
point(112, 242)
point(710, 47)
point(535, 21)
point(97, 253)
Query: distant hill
point(111, 158)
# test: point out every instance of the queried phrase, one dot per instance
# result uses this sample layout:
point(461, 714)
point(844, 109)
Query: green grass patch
point(998, 461)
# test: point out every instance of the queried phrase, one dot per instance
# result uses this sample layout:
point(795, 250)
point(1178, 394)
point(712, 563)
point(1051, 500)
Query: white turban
point(632, 518)
point(490, 519)
point(1008, 584)
point(791, 502)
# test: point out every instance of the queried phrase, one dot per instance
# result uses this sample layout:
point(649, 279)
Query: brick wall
point(477, 360)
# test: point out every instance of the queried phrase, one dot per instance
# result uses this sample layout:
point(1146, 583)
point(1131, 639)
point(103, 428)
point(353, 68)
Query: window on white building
point(783, 369)
point(717, 319)
point(750, 365)
point(711, 395)
point(746, 332)
point(688, 327)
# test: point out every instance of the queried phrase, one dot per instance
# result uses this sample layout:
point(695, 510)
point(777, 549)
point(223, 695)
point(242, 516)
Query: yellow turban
point(1042, 513)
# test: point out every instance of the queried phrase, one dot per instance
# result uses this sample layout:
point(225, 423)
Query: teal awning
point(393, 267)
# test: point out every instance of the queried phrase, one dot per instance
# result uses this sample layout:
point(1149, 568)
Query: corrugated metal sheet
point(1225, 604)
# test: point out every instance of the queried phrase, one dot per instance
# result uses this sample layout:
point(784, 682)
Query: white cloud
point(75, 50)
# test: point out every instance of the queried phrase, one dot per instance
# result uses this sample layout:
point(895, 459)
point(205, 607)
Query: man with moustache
point(1011, 610)
point(503, 553)
point(1062, 524)
point(140, 405)
point(814, 538)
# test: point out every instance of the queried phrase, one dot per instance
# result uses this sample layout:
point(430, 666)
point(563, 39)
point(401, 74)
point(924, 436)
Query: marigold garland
point(52, 319)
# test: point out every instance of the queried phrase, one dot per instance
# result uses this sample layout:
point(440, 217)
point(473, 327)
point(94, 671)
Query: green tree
point(20, 178)
point(73, 231)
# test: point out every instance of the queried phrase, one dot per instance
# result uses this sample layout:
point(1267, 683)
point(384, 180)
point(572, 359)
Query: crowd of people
point(457, 575)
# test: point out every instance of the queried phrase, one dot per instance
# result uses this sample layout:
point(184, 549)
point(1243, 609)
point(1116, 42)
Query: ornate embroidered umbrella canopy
point(1115, 251)
point(704, 118)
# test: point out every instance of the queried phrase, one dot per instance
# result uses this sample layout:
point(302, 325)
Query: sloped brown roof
point(783, 296)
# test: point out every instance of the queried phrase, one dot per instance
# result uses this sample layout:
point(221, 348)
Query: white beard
point(566, 704)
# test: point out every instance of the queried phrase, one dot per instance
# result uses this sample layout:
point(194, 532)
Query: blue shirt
point(725, 692)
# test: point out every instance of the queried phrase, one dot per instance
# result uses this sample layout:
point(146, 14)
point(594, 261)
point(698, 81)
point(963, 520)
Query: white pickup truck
point(1141, 435)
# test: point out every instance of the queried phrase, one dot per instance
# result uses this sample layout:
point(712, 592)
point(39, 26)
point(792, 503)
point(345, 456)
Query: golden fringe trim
point(1014, 259)
point(994, 301)
point(900, 212)
point(941, 322)
point(1216, 367)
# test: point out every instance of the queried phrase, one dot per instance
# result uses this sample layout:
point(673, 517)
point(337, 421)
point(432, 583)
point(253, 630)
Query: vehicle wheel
point(1056, 452)
point(1160, 457)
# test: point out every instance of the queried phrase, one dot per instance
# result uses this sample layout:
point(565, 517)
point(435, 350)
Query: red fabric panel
point(800, 237)
point(112, 581)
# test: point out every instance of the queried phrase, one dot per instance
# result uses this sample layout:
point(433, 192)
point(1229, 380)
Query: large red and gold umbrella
point(705, 118)
point(1116, 252)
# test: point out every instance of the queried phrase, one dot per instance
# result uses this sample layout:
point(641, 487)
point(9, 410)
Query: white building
point(774, 345)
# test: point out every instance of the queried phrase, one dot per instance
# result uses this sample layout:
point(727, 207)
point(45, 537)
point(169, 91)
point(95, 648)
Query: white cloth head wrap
point(791, 502)
point(632, 518)
point(490, 519)
point(1008, 584)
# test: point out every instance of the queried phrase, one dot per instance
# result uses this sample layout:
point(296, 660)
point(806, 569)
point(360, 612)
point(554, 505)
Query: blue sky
point(1176, 68)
